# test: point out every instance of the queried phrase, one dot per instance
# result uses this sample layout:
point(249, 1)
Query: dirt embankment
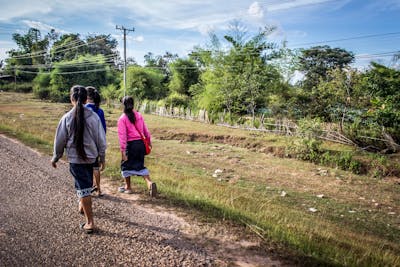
point(251, 143)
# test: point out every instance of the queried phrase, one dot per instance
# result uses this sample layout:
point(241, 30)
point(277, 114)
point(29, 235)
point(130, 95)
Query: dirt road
point(39, 224)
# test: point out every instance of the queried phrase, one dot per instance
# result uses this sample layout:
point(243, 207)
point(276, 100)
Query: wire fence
point(280, 126)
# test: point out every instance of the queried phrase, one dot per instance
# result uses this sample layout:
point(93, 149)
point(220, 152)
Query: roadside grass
point(356, 222)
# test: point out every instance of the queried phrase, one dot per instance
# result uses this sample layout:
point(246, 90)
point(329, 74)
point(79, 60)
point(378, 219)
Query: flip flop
point(86, 230)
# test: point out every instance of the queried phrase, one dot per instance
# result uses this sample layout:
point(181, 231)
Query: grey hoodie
point(94, 138)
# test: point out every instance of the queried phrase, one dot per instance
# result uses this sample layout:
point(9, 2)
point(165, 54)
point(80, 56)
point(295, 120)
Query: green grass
point(357, 222)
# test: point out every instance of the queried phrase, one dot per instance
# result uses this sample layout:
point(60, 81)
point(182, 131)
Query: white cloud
point(294, 4)
point(256, 10)
point(24, 8)
point(120, 38)
point(4, 47)
point(139, 38)
point(206, 29)
point(42, 26)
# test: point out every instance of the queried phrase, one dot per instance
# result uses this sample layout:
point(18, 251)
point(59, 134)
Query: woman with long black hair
point(130, 127)
point(81, 134)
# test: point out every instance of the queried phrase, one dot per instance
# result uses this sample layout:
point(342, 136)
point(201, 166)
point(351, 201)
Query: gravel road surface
point(39, 224)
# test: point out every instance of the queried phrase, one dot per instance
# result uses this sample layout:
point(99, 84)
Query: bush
point(41, 86)
point(177, 100)
point(19, 87)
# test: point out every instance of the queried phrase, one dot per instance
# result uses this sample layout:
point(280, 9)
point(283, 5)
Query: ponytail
point(79, 95)
point(128, 108)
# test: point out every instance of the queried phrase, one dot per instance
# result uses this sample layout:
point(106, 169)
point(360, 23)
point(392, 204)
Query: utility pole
point(125, 30)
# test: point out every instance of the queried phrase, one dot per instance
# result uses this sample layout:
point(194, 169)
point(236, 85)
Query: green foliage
point(67, 48)
point(176, 99)
point(210, 97)
point(85, 70)
point(310, 128)
point(30, 52)
point(381, 166)
point(41, 86)
point(23, 87)
point(144, 83)
point(309, 148)
point(237, 81)
point(109, 93)
point(317, 61)
point(184, 73)
point(383, 84)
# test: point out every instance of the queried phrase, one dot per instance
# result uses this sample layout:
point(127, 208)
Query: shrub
point(19, 87)
point(41, 86)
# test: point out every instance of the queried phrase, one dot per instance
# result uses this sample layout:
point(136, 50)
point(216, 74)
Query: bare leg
point(80, 209)
point(148, 181)
point(87, 208)
point(96, 174)
point(150, 186)
point(128, 183)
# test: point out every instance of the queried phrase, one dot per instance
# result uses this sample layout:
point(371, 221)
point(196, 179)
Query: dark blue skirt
point(135, 151)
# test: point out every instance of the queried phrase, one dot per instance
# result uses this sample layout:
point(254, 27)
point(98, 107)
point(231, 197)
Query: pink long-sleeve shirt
point(127, 132)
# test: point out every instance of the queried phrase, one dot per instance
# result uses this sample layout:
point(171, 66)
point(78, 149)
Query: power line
point(62, 73)
point(44, 66)
point(349, 38)
point(44, 52)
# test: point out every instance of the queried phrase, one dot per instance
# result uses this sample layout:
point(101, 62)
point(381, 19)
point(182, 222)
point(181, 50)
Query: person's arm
point(102, 145)
point(103, 119)
point(141, 123)
point(122, 136)
point(60, 141)
point(146, 132)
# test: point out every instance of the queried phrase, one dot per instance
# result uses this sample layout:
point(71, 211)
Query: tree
point(31, 54)
point(287, 63)
point(85, 70)
point(105, 45)
point(339, 98)
point(69, 47)
point(161, 63)
point(383, 84)
point(184, 74)
point(144, 83)
point(315, 62)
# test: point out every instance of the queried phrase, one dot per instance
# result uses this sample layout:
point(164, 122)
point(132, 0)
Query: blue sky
point(179, 25)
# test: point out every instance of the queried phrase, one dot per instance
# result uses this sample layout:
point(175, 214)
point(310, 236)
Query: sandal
point(86, 230)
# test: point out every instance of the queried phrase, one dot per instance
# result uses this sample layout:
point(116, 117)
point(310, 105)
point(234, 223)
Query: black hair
point(94, 95)
point(128, 108)
point(79, 95)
